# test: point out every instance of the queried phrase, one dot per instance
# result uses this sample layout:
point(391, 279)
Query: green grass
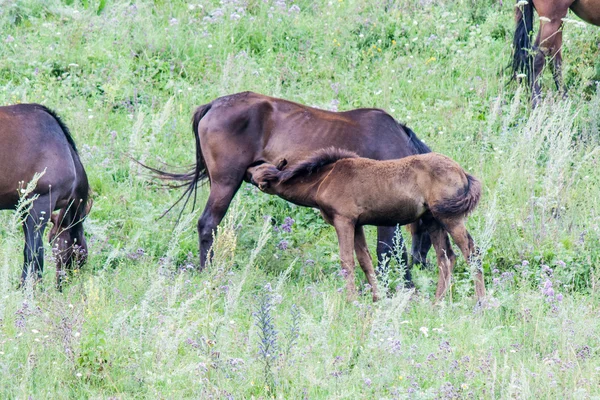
point(137, 323)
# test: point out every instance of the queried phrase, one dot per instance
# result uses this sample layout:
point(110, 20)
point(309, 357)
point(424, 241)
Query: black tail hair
point(191, 179)
point(462, 204)
point(522, 60)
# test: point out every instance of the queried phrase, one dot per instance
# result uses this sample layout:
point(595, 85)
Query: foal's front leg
point(364, 259)
point(344, 228)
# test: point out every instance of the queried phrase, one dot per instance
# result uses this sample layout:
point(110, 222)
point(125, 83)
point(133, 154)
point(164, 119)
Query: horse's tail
point(197, 174)
point(417, 143)
point(522, 63)
point(462, 204)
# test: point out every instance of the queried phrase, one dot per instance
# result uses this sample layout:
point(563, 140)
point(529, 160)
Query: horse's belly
point(390, 214)
point(587, 10)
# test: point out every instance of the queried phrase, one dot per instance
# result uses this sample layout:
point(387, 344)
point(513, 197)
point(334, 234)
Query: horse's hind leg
point(364, 259)
point(385, 247)
point(547, 44)
point(218, 202)
point(34, 225)
point(464, 241)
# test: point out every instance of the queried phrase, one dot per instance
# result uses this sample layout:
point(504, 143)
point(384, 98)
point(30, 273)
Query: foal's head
point(67, 237)
point(265, 176)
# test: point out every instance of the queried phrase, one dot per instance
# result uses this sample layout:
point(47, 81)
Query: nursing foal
point(351, 192)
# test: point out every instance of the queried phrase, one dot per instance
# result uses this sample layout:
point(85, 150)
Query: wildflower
point(287, 224)
point(424, 330)
point(294, 9)
point(368, 382)
point(283, 245)
point(431, 59)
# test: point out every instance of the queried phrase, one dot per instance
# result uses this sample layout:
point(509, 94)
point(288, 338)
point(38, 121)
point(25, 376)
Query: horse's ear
point(56, 220)
point(281, 164)
point(88, 206)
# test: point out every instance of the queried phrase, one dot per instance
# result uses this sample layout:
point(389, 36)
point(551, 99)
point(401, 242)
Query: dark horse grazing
point(549, 39)
point(33, 140)
point(237, 131)
point(351, 192)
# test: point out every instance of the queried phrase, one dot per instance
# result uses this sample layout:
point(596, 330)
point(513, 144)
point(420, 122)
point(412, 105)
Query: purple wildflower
point(283, 245)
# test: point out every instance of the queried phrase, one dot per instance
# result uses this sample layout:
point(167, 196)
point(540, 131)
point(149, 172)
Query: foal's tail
point(522, 63)
point(462, 204)
point(196, 175)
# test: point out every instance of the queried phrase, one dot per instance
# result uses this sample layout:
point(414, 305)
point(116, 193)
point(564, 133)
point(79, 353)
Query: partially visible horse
point(33, 139)
point(530, 60)
point(235, 132)
point(351, 192)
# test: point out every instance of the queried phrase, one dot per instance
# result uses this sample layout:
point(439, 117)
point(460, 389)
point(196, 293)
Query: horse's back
point(273, 128)
point(33, 141)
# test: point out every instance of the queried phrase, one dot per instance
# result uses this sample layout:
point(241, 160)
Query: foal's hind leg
point(34, 225)
point(445, 256)
point(464, 241)
point(364, 259)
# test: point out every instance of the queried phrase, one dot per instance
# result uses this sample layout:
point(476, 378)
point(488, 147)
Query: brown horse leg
point(33, 228)
point(464, 241)
point(364, 259)
point(557, 64)
point(547, 44)
point(445, 256)
point(345, 228)
point(421, 243)
point(218, 202)
point(385, 247)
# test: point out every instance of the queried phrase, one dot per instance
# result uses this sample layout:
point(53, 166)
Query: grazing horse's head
point(67, 237)
point(265, 175)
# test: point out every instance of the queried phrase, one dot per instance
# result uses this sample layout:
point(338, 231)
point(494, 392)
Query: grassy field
point(269, 319)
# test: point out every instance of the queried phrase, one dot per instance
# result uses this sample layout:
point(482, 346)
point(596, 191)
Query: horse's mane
point(61, 124)
point(76, 210)
point(316, 161)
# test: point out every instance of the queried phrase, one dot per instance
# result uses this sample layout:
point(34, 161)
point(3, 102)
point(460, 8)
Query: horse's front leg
point(344, 228)
point(34, 225)
point(385, 252)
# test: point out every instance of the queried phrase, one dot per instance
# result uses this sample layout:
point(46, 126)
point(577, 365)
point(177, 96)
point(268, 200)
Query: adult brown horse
point(235, 132)
point(33, 140)
point(351, 192)
point(549, 39)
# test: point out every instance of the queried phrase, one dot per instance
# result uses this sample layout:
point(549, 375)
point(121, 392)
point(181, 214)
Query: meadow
point(269, 318)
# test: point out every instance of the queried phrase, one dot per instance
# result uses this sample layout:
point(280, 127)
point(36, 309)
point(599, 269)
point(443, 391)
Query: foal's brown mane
point(316, 161)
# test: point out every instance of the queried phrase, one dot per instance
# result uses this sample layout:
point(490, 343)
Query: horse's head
point(265, 176)
point(67, 238)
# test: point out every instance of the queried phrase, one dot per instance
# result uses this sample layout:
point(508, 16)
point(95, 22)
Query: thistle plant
point(267, 345)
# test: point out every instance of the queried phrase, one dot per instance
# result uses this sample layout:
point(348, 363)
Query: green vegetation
point(268, 318)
